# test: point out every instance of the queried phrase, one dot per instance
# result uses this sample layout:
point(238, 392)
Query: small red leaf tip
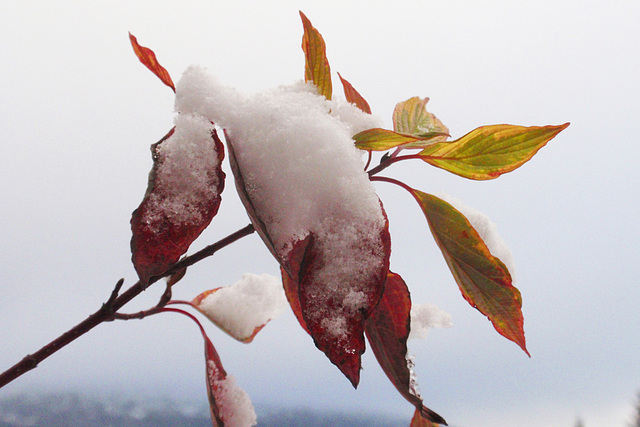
point(148, 58)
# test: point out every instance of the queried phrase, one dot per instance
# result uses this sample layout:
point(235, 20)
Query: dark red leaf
point(148, 58)
point(182, 198)
point(387, 330)
point(344, 349)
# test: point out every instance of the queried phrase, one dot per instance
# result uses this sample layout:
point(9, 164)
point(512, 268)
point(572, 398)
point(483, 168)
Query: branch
point(108, 310)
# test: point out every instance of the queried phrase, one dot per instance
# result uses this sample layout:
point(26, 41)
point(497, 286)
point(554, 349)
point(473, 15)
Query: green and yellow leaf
point(411, 117)
point(489, 151)
point(378, 139)
point(316, 65)
point(482, 278)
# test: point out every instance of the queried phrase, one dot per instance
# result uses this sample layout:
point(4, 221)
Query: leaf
point(241, 187)
point(378, 139)
point(336, 325)
point(244, 308)
point(148, 58)
point(332, 292)
point(411, 117)
point(229, 405)
point(489, 151)
point(387, 330)
point(316, 65)
point(419, 420)
point(182, 197)
point(215, 373)
point(482, 278)
point(354, 96)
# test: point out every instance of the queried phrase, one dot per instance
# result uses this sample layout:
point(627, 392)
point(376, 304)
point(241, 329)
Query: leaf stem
point(391, 160)
point(108, 310)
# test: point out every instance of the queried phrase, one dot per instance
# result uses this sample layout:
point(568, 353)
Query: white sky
point(78, 113)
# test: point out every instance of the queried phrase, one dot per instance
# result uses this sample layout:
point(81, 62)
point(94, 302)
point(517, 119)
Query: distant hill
point(73, 410)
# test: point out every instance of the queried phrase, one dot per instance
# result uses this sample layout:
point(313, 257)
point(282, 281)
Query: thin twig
point(109, 309)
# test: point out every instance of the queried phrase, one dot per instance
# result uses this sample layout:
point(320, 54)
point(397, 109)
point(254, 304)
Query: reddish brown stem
point(110, 308)
point(391, 160)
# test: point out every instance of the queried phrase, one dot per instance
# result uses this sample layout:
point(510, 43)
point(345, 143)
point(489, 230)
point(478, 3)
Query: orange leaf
point(148, 58)
point(354, 96)
point(387, 330)
point(316, 65)
point(419, 420)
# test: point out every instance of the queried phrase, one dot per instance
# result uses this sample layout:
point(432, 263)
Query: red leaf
point(214, 374)
point(387, 330)
point(182, 198)
point(336, 328)
point(229, 404)
point(354, 96)
point(291, 288)
point(148, 58)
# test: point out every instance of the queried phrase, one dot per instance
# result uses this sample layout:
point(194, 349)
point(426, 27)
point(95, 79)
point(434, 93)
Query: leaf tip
point(148, 58)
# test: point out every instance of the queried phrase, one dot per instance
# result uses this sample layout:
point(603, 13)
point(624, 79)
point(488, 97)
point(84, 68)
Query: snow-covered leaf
point(182, 197)
point(387, 330)
point(303, 184)
point(244, 308)
point(230, 406)
point(148, 58)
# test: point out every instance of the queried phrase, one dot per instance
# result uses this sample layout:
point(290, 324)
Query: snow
point(295, 151)
point(487, 230)
point(303, 176)
point(185, 179)
point(425, 316)
point(246, 305)
point(234, 405)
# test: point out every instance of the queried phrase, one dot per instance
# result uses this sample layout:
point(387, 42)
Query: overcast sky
point(78, 113)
